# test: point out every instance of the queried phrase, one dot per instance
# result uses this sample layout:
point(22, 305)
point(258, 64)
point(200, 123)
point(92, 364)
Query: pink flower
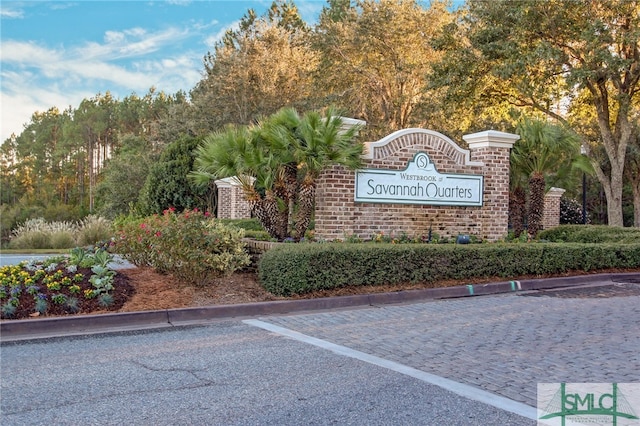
point(143, 225)
point(207, 214)
point(158, 234)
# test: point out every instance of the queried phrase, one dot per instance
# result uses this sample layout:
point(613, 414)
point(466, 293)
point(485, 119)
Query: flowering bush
point(192, 246)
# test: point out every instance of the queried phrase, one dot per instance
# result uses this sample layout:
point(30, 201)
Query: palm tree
point(322, 141)
point(277, 161)
point(544, 150)
point(230, 152)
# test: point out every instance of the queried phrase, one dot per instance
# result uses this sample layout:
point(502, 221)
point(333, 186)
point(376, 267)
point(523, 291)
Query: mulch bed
point(123, 291)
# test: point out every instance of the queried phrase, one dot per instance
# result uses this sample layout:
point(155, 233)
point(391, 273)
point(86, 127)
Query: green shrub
point(94, 229)
point(246, 224)
point(39, 234)
point(61, 240)
point(189, 245)
point(571, 212)
point(30, 240)
point(258, 235)
point(301, 268)
point(55, 212)
point(591, 234)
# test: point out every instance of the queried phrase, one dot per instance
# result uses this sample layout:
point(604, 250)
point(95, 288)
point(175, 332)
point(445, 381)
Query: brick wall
point(231, 201)
point(337, 215)
point(551, 213)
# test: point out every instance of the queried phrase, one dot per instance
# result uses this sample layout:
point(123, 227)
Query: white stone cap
point(350, 122)
point(370, 147)
point(229, 182)
point(491, 139)
point(556, 192)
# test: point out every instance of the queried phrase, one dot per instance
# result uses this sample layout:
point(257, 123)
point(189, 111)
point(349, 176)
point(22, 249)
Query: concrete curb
point(30, 329)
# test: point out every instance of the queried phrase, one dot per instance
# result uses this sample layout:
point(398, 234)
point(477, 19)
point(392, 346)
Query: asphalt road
point(462, 361)
point(226, 373)
point(14, 259)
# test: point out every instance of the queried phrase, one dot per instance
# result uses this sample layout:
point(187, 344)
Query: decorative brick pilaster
point(551, 217)
point(493, 148)
point(231, 201)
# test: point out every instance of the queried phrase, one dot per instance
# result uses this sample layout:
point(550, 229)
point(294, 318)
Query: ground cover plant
point(81, 282)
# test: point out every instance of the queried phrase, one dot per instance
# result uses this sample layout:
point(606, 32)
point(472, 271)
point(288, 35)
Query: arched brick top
point(396, 141)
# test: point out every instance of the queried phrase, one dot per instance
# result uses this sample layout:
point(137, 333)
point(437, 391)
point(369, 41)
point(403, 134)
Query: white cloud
point(36, 77)
point(20, 98)
point(214, 38)
point(9, 12)
point(200, 26)
point(114, 37)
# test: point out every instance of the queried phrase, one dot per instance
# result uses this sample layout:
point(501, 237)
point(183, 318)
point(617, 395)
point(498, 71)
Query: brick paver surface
point(505, 344)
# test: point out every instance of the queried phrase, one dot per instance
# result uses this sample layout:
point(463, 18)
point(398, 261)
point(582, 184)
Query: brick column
point(492, 148)
point(231, 201)
point(551, 217)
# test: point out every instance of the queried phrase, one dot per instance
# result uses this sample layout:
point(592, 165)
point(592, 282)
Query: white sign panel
point(419, 183)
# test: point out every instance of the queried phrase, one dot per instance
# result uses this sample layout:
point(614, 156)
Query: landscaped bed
point(143, 289)
point(81, 283)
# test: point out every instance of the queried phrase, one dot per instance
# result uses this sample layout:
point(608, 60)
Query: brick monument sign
point(417, 180)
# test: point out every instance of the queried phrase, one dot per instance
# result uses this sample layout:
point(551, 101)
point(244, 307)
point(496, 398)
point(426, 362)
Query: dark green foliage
point(246, 224)
point(125, 176)
point(167, 184)
point(301, 268)
point(591, 234)
point(570, 212)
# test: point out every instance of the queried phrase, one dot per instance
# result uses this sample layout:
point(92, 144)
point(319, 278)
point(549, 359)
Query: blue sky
point(56, 53)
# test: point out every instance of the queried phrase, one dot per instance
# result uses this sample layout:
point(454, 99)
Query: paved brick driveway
point(504, 344)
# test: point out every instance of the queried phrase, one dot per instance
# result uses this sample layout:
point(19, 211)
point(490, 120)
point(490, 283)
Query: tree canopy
point(393, 63)
point(573, 61)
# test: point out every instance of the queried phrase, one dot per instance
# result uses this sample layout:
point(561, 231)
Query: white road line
point(461, 389)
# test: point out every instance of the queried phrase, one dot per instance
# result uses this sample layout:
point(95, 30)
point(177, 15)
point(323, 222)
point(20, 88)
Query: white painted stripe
point(461, 389)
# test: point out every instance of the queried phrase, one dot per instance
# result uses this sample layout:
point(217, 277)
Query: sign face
point(419, 183)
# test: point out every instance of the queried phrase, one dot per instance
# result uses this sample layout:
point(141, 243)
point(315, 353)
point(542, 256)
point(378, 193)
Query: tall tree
point(546, 56)
point(167, 184)
point(632, 171)
point(94, 119)
point(9, 181)
point(257, 69)
point(543, 150)
point(375, 58)
point(124, 177)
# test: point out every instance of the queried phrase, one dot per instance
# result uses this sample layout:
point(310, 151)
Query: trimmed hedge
point(591, 234)
point(246, 224)
point(301, 268)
